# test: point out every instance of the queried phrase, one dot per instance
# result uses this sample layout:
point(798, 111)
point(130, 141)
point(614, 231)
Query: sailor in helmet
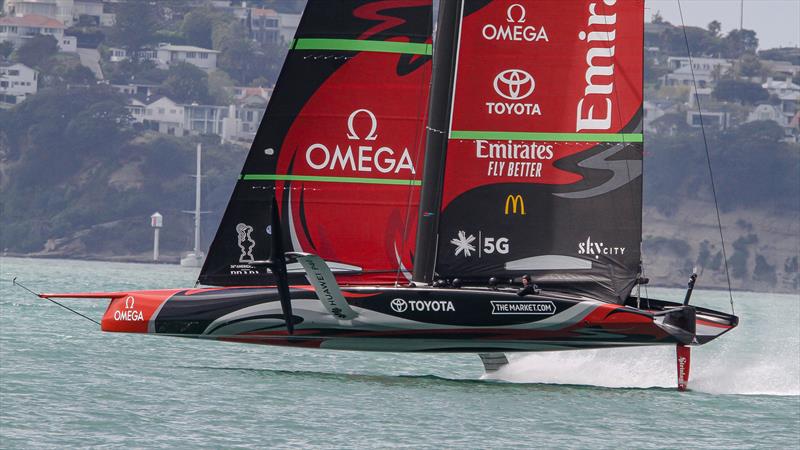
point(528, 287)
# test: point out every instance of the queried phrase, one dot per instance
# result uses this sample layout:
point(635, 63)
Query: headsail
point(341, 146)
point(542, 173)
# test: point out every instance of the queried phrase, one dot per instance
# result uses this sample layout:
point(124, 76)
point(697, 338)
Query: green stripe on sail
point(273, 177)
point(356, 45)
point(555, 137)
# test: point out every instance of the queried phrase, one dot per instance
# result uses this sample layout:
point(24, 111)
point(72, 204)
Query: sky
point(776, 22)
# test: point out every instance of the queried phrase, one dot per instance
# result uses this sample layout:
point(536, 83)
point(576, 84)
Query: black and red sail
point(542, 171)
point(340, 146)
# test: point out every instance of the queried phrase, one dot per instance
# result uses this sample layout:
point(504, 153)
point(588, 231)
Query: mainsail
point(340, 147)
point(534, 167)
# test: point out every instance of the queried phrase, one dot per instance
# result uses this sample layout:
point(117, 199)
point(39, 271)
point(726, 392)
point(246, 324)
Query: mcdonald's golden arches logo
point(516, 204)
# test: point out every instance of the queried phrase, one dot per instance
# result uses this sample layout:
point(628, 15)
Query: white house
point(93, 11)
point(768, 112)
point(19, 29)
point(17, 82)
point(243, 119)
point(68, 12)
point(162, 115)
point(706, 70)
point(264, 25)
point(203, 58)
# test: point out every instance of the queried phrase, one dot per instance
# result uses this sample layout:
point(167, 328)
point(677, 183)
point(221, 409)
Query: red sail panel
point(340, 147)
point(544, 149)
point(355, 153)
point(549, 66)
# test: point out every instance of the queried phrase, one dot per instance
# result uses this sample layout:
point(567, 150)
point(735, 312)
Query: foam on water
point(760, 357)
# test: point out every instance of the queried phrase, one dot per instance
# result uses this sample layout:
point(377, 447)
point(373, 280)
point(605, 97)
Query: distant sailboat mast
point(195, 259)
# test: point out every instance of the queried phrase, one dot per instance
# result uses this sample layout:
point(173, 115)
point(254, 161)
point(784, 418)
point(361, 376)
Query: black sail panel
point(340, 146)
point(543, 164)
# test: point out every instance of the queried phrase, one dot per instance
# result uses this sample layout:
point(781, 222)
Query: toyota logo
point(399, 305)
point(514, 84)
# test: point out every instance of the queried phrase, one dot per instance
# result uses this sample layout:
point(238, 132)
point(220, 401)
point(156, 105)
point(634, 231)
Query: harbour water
point(63, 383)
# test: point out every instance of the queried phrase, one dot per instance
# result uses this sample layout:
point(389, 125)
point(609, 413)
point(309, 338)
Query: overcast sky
point(777, 22)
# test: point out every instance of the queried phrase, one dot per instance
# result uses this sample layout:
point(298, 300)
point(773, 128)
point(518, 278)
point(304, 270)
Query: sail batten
point(356, 45)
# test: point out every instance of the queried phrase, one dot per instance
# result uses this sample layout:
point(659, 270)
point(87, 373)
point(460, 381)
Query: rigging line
point(708, 159)
point(16, 283)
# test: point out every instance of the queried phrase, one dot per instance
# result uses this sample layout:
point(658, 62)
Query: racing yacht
point(478, 193)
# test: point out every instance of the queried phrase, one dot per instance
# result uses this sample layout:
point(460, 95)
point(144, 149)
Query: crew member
point(528, 287)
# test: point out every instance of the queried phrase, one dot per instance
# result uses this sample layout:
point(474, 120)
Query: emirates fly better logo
point(514, 85)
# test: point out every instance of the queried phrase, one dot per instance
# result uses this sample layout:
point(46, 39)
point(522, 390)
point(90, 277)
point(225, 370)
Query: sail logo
point(244, 240)
point(365, 156)
point(514, 85)
point(515, 29)
point(596, 113)
point(591, 248)
point(482, 245)
point(512, 202)
point(400, 305)
point(513, 159)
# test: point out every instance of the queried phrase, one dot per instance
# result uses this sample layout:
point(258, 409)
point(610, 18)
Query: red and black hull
point(402, 319)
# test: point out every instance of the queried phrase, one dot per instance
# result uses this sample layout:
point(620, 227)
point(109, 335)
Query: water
point(66, 384)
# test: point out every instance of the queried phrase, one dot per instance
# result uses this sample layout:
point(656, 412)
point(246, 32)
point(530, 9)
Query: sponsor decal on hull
point(533, 307)
point(400, 305)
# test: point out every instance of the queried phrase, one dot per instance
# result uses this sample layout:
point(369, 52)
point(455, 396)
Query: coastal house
point(17, 82)
point(68, 12)
point(168, 54)
point(204, 119)
point(243, 120)
point(706, 71)
point(19, 29)
point(654, 110)
point(264, 25)
point(711, 118)
point(163, 115)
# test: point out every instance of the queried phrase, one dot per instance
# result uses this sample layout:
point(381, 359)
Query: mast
point(197, 211)
point(444, 64)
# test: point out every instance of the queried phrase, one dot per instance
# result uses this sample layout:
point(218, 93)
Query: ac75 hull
point(401, 319)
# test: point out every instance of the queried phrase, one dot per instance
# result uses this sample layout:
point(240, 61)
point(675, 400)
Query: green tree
point(714, 27)
point(750, 66)
point(197, 27)
point(740, 91)
point(186, 83)
point(6, 47)
point(657, 18)
point(35, 51)
point(134, 27)
point(739, 42)
point(219, 84)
